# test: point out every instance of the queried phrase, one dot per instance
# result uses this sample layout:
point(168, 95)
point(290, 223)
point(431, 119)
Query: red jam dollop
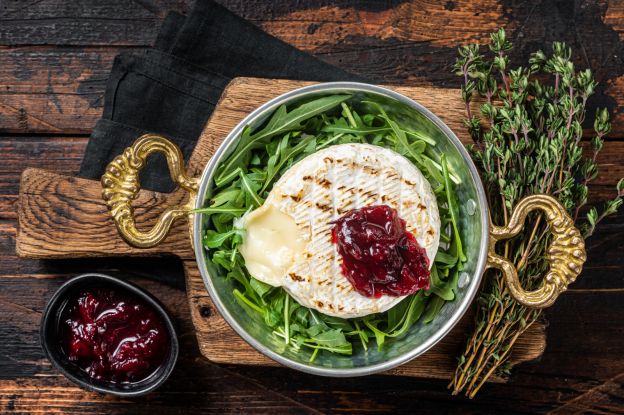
point(114, 336)
point(379, 256)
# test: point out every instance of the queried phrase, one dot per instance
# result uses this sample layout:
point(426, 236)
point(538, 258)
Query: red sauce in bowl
point(114, 336)
point(379, 256)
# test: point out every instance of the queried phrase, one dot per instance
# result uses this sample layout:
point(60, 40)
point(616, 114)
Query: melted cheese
point(273, 243)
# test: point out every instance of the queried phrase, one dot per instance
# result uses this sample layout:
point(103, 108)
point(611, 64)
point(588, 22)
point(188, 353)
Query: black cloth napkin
point(172, 88)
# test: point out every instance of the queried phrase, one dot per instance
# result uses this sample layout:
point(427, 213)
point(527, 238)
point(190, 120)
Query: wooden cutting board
point(61, 216)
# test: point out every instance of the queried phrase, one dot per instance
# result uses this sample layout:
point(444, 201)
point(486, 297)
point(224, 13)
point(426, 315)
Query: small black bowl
point(51, 342)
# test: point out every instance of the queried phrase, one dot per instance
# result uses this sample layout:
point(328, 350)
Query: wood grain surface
point(58, 216)
point(55, 56)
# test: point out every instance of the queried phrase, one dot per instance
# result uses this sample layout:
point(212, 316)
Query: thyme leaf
point(527, 136)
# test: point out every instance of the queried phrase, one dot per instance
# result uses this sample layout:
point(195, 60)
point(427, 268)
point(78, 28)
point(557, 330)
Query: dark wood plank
point(60, 153)
point(416, 41)
point(60, 89)
point(27, 381)
point(396, 41)
point(53, 90)
point(89, 22)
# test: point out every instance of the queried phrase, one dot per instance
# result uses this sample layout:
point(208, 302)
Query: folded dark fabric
point(169, 31)
point(173, 88)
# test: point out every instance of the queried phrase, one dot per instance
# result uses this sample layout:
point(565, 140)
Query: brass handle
point(120, 186)
point(566, 253)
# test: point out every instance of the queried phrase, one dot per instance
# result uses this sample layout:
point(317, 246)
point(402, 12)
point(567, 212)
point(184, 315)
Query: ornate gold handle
point(566, 253)
point(120, 186)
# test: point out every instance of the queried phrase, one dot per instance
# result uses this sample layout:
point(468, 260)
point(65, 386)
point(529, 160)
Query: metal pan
point(566, 253)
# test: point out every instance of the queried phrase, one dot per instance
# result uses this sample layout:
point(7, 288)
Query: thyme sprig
point(527, 139)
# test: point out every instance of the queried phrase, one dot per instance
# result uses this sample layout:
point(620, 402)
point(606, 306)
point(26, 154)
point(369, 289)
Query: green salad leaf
point(261, 158)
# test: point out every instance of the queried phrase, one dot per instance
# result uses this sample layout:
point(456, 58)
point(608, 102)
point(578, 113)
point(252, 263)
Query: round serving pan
point(566, 253)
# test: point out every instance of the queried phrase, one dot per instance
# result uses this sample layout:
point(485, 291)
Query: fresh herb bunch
point(262, 156)
point(527, 140)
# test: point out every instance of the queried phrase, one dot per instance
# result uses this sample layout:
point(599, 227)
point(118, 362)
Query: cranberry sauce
point(379, 256)
point(114, 336)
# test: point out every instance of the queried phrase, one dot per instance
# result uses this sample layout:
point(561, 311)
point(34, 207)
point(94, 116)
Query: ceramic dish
point(50, 336)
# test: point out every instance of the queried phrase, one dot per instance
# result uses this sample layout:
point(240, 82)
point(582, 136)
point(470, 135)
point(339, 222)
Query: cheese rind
point(316, 191)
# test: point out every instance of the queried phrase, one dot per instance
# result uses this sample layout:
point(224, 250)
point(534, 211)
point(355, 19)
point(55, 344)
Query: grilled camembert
point(288, 240)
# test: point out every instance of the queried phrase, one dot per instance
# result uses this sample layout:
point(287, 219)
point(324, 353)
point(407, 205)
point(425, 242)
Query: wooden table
point(55, 56)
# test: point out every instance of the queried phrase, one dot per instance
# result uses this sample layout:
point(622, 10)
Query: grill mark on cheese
point(295, 277)
point(370, 170)
point(324, 207)
point(370, 193)
point(323, 182)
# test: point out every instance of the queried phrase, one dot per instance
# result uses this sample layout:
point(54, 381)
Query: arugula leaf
point(397, 314)
point(224, 197)
point(422, 137)
point(285, 154)
point(222, 209)
point(380, 336)
point(251, 189)
point(432, 170)
point(441, 288)
point(341, 126)
point(331, 338)
point(214, 239)
point(450, 199)
point(282, 121)
point(445, 258)
point(246, 303)
point(337, 323)
point(433, 308)
point(414, 311)
point(260, 287)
